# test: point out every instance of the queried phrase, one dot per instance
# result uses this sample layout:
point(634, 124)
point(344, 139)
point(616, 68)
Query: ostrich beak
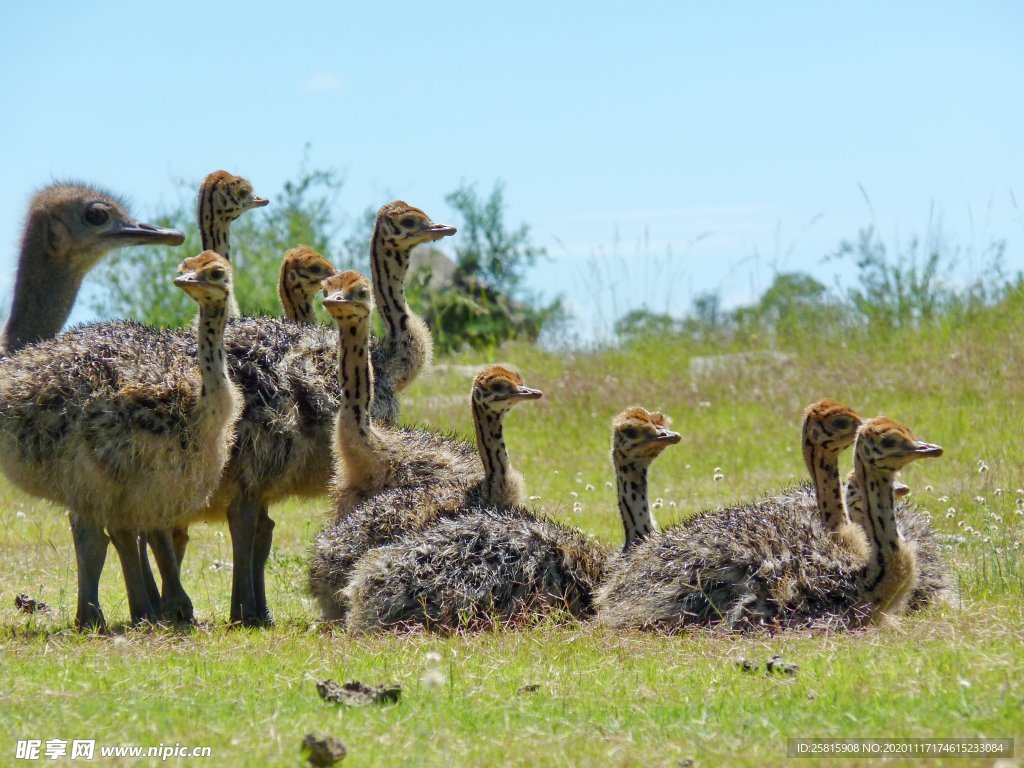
point(138, 233)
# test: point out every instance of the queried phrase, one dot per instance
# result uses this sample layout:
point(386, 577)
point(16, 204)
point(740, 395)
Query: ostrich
point(769, 562)
point(113, 421)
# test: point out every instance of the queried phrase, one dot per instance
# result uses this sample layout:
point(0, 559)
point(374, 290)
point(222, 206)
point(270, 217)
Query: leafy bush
point(483, 303)
point(913, 287)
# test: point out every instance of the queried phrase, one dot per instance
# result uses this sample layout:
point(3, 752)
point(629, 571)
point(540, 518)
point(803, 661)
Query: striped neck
point(883, 535)
point(631, 478)
point(388, 265)
point(823, 467)
point(296, 303)
point(358, 448)
point(490, 442)
point(210, 330)
point(214, 231)
point(408, 347)
point(355, 374)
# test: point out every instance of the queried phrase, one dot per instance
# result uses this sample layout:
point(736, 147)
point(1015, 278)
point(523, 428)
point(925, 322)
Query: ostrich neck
point(214, 231)
point(823, 467)
point(637, 521)
point(883, 535)
point(354, 433)
point(296, 304)
point(388, 264)
point(490, 441)
point(44, 291)
point(215, 234)
point(212, 317)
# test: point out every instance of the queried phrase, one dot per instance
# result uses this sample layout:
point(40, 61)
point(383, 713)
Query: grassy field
point(576, 695)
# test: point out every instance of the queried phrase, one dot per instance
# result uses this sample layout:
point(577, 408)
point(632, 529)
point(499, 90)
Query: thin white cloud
point(323, 82)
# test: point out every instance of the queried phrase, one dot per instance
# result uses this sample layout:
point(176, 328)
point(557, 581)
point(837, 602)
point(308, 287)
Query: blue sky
point(680, 147)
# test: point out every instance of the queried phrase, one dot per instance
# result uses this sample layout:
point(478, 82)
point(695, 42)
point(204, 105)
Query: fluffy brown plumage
point(392, 480)
point(485, 568)
point(772, 564)
point(113, 421)
point(494, 566)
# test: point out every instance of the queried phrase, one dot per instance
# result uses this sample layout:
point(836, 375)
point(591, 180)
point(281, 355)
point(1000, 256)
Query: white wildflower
point(432, 678)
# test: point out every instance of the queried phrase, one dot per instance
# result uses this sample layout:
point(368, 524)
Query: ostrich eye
point(841, 423)
point(217, 273)
point(316, 269)
point(889, 442)
point(97, 215)
point(408, 222)
point(631, 433)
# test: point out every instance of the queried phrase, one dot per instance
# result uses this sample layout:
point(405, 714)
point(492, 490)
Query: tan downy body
point(114, 421)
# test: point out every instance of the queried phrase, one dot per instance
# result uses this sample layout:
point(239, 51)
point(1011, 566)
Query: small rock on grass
point(747, 665)
point(27, 604)
point(322, 750)
point(356, 694)
point(780, 665)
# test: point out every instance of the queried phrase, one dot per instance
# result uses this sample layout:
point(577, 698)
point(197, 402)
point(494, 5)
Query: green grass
point(602, 698)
